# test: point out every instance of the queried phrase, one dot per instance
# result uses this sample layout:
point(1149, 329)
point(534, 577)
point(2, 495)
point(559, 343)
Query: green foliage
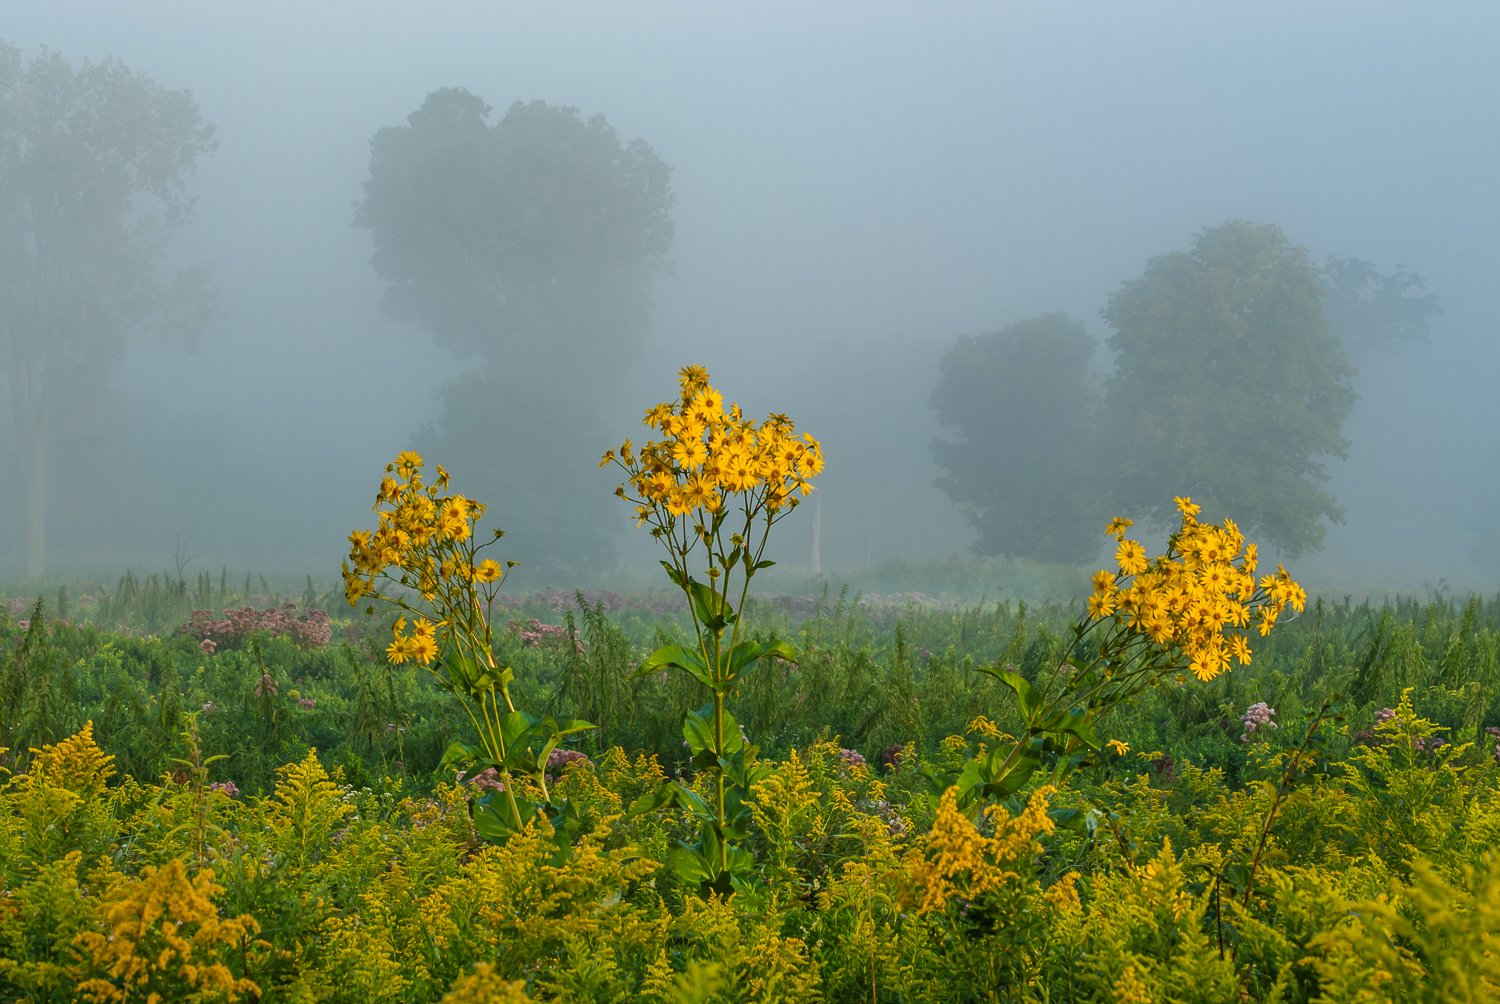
point(1021, 405)
point(1429, 940)
point(379, 887)
point(1229, 384)
point(1370, 312)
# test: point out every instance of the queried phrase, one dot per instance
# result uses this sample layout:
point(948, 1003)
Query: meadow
point(1190, 784)
point(148, 777)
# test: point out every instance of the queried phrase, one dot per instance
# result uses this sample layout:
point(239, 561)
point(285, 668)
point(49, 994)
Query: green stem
point(494, 742)
point(719, 807)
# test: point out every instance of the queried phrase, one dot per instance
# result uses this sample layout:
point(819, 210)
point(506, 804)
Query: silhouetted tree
point(527, 246)
point(93, 162)
point(1020, 465)
point(1228, 386)
point(1370, 312)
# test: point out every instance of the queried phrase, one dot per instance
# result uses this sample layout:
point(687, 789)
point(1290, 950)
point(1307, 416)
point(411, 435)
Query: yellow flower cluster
point(76, 764)
point(1187, 598)
point(418, 646)
point(959, 862)
point(707, 454)
point(166, 941)
point(423, 542)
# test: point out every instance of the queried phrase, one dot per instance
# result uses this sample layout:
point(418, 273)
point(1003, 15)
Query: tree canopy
point(1369, 311)
point(1021, 403)
point(520, 241)
point(93, 167)
point(527, 247)
point(1229, 385)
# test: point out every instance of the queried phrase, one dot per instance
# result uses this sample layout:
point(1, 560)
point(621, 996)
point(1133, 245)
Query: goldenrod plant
point(424, 558)
point(710, 489)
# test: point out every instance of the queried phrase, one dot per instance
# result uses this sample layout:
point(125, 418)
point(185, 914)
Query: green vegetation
point(1345, 846)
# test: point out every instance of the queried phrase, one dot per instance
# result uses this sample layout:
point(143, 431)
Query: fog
point(856, 187)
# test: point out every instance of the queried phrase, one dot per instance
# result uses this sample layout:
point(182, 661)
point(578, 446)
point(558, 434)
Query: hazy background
point(857, 186)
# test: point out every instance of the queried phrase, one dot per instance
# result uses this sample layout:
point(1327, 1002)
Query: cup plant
point(710, 489)
point(424, 558)
point(1187, 611)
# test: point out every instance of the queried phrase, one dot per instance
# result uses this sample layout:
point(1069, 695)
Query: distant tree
point(527, 246)
point(93, 162)
point(1229, 386)
point(521, 241)
point(1369, 312)
point(1020, 465)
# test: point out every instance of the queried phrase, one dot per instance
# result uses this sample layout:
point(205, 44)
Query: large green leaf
point(1026, 699)
point(690, 864)
point(514, 730)
point(458, 758)
point(709, 607)
point(462, 671)
point(677, 657)
point(698, 730)
point(747, 653)
point(1076, 721)
point(674, 575)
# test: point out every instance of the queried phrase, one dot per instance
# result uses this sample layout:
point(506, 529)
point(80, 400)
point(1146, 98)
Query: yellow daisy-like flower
point(1240, 649)
point(1101, 605)
point(656, 415)
point(702, 492)
point(399, 650)
point(690, 453)
point(1118, 526)
point(1131, 557)
point(422, 648)
point(487, 570)
point(692, 379)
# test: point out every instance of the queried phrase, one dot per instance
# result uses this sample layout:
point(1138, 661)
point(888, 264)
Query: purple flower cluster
point(1258, 717)
point(852, 758)
point(309, 628)
point(558, 760)
point(1369, 736)
point(534, 634)
point(486, 780)
point(227, 787)
point(489, 778)
point(1494, 733)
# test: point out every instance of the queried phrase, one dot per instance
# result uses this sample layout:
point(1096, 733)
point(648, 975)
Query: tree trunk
point(33, 469)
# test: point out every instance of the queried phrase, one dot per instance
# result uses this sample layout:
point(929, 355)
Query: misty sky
point(846, 175)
